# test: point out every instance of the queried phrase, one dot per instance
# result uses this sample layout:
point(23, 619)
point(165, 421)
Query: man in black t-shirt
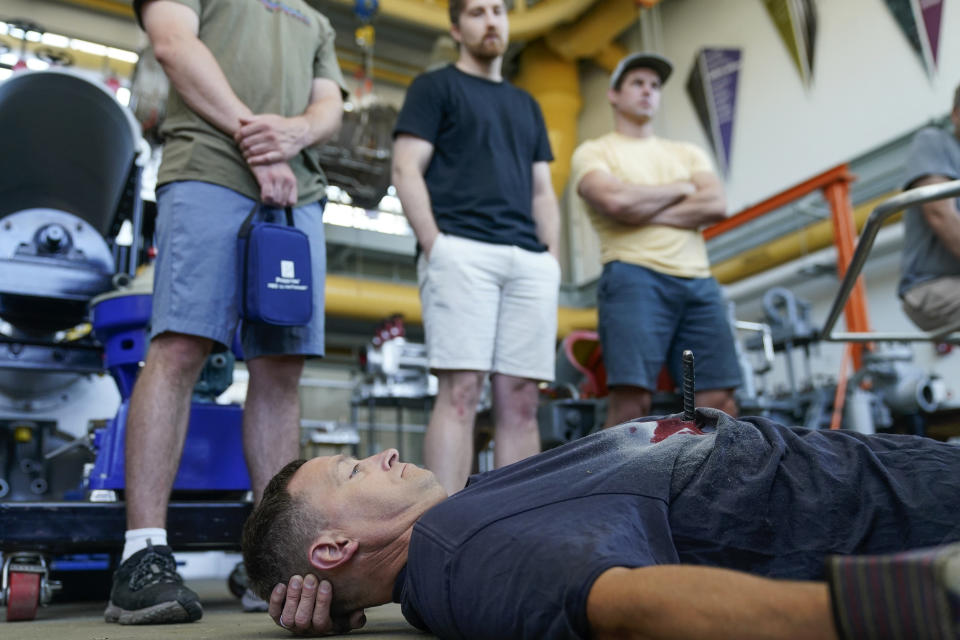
point(470, 164)
point(652, 528)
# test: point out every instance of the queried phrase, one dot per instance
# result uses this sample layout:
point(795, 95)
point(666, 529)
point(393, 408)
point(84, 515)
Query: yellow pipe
point(115, 7)
point(790, 247)
point(608, 57)
point(379, 73)
point(365, 299)
point(555, 84)
point(593, 31)
point(374, 300)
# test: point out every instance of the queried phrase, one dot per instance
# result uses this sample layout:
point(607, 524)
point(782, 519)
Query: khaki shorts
point(934, 303)
point(489, 307)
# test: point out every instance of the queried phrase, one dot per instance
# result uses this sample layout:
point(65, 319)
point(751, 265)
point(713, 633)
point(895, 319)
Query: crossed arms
point(267, 141)
point(686, 204)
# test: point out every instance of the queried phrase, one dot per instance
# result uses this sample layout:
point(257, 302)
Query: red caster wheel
point(23, 596)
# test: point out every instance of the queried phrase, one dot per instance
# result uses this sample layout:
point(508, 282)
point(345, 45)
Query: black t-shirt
point(486, 136)
point(515, 554)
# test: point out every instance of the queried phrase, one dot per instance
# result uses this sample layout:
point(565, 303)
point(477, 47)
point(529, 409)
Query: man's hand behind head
point(302, 606)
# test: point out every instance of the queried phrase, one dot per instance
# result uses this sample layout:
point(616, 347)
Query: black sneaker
point(148, 590)
point(238, 584)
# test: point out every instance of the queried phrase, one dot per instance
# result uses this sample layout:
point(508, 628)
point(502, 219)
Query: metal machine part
point(51, 264)
point(903, 387)
point(358, 160)
point(396, 369)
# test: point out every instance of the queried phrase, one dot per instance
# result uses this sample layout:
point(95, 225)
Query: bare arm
point(705, 206)
point(690, 603)
point(629, 203)
point(411, 156)
point(546, 211)
point(190, 66)
point(267, 138)
point(942, 216)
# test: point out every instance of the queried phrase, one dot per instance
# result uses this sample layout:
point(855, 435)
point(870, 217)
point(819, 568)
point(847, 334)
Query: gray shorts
point(196, 288)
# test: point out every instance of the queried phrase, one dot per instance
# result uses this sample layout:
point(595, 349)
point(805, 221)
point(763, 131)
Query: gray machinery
point(897, 387)
point(69, 178)
point(395, 373)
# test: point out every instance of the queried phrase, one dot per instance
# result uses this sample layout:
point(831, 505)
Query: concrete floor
point(222, 619)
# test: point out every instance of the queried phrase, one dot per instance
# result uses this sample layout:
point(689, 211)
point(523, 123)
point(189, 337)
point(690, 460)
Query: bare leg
point(157, 425)
point(516, 434)
point(721, 399)
point(448, 444)
point(627, 403)
point(271, 417)
point(693, 603)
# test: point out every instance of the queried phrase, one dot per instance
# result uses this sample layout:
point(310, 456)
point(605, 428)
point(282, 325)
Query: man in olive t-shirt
point(254, 86)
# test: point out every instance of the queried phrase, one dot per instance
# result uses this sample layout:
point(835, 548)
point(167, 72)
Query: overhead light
point(55, 40)
point(88, 47)
point(120, 54)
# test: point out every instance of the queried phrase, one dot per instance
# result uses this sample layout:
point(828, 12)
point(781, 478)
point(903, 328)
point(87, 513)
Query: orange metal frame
point(835, 184)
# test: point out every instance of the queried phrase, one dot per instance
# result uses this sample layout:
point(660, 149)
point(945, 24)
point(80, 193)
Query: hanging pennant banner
point(920, 22)
point(713, 89)
point(796, 21)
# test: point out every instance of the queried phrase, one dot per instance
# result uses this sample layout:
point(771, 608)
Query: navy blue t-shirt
point(486, 136)
point(516, 553)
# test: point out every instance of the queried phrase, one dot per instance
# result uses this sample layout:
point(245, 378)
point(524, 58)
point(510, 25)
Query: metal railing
point(920, 195)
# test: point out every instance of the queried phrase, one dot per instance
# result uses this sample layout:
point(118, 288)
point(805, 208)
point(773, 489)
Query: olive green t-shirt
point(270, 51)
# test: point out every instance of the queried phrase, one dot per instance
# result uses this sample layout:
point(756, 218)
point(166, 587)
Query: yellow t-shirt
point(649, 161)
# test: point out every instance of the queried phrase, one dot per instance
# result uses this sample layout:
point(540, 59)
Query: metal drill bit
point(688, 385)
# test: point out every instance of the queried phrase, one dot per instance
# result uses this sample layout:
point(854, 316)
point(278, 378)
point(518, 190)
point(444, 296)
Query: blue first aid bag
point(275, 274)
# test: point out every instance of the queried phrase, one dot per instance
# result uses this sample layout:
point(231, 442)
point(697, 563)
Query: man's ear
point(329, 551)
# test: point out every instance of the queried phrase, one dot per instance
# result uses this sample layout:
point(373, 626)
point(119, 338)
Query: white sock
point(137, 539)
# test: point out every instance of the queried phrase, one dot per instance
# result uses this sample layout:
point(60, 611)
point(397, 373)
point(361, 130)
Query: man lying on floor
point(595, 538)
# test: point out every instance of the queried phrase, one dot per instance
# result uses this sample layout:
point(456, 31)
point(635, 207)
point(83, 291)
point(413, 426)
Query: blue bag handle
point(248, 221)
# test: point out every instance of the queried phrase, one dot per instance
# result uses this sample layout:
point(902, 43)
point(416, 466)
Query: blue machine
point(213, 455)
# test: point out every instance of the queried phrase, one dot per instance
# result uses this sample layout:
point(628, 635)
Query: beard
point(488, 48)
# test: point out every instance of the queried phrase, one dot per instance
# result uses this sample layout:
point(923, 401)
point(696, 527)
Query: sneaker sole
point(163, 613)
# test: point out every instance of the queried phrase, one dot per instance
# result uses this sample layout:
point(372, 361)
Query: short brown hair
point(456, 8)
point(278, 533)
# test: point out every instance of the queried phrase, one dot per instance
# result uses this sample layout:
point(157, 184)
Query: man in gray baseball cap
point(647, 197)
point(660, 65)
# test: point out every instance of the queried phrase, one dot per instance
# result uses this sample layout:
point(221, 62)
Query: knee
point(275, 371)
point(462, 391)
point(181, 354)
point(627, 404)
point(518, 398)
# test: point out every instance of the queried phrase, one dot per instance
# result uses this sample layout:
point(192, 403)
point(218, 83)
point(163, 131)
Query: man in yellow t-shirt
point(647, 198)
